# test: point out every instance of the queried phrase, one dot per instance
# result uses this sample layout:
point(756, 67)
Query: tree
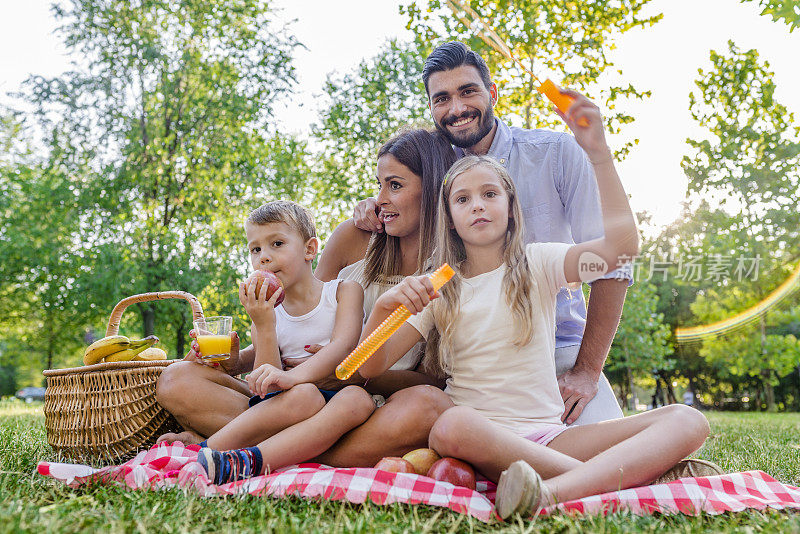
point(781, 10)
point(749, 166)
point(37, 314)
point(641, 344)
point(570, 39)
point(363, 110)
point(163, 138)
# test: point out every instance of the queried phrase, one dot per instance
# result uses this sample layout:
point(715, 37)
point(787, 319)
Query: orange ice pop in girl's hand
point(389, 326)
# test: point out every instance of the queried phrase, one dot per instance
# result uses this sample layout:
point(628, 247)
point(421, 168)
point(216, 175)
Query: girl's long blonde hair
point(517, 281)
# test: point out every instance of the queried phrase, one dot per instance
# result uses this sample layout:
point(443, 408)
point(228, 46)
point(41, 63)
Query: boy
point(281, 238)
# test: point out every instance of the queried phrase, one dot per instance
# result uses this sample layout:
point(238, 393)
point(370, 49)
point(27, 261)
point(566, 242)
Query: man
point(559, 198)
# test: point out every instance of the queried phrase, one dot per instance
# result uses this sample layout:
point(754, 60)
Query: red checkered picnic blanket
point(174, 465)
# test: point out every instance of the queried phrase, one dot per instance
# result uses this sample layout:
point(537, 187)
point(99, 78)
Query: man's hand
point(229, 365)
point(577, 387)
point(365, 216)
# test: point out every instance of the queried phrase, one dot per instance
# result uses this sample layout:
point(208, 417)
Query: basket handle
point(116, 313)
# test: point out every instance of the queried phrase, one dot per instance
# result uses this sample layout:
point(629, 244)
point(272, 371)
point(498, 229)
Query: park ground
point(31, 503)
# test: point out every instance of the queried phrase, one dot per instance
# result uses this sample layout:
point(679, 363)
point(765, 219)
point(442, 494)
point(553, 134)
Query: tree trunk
point(766, 374)
point(632, 397)
point(671, 398)
point(148, 319)
point(179, 339)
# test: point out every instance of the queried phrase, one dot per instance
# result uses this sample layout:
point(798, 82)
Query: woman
point(409, 173)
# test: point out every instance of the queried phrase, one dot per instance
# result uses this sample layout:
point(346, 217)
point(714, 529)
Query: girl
point(492, 332)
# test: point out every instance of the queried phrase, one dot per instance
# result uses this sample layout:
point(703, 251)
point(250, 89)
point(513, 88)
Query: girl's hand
point(414, 292)
point(258, 307)
point(267, 375)
point(592, 137)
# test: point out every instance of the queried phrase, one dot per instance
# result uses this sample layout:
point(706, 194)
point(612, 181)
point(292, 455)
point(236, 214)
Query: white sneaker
point(520, 490)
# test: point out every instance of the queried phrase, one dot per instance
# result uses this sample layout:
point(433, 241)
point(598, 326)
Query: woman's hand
point(229, 366)
point(260, 309)
point(414, 292)
point(268, 375)
point(591, 135)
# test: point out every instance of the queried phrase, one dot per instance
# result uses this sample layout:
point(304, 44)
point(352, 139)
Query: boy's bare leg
point(299, 443)
point(201, 398)
point(399, 426)
point(616, 454)
point(268, 417)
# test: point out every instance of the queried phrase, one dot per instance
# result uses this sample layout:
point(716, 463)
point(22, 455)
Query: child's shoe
point(520, 490)
point(689, 467)
point(227, 466)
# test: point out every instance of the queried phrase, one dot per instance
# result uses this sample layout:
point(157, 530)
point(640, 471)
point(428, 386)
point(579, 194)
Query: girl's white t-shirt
point(514, 387)
point(372, 291)
point(315, 327)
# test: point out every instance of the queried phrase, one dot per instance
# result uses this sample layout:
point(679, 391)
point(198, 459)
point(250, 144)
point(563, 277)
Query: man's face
point(461, 105)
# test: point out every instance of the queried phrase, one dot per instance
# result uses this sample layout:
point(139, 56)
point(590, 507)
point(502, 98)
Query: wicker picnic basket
point(109, 411)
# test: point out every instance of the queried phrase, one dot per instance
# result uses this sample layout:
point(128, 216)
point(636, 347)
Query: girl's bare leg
point(462, 432)
point(202, 399)
point(298, 443)
point(581, 461)
point(268, 417)
point(628, 452)
point(399, 426)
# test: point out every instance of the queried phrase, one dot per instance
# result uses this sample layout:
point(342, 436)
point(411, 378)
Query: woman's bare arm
point(346, 245)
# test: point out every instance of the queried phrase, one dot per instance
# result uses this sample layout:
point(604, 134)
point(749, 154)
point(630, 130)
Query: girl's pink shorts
point(546, 434)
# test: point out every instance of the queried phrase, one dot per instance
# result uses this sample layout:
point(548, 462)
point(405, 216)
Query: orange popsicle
point(389, 326)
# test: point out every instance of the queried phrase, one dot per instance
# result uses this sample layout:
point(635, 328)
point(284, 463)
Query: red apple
point(395, 465)
point(422, 459)
point(454, 471)
point(272, 284)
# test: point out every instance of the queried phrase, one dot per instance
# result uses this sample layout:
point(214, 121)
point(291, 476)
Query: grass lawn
point(31, 503)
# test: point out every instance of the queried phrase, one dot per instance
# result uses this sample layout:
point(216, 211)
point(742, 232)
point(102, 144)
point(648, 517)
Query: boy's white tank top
point(314, 327)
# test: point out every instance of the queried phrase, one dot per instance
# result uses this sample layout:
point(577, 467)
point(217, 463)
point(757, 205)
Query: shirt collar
point(501, 144)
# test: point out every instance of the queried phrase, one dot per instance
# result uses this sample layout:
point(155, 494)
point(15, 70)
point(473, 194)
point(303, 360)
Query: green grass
point(31, 503)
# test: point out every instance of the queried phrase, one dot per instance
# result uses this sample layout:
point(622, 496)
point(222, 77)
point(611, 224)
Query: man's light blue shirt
point(560, 204)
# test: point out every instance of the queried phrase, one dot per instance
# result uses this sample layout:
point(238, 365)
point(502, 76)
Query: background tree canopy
point(134, 170)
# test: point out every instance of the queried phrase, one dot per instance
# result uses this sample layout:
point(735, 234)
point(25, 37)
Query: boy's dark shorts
point(255, 399)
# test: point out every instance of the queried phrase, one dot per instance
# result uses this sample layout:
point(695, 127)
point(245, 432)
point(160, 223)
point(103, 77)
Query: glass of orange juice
point(214, 337)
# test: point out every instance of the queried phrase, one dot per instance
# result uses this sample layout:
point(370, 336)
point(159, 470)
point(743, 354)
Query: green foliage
point(787, 11)
point(363, 110)
point(38, 309)
point(748, 166)
point(161, 143)
point(570, 40)
point(752, 156)
point(641, 344)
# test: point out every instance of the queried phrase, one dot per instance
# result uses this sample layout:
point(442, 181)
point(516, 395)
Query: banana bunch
point(116, 349)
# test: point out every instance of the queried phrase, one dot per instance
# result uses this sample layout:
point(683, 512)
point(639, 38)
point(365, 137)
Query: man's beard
point(467, 140)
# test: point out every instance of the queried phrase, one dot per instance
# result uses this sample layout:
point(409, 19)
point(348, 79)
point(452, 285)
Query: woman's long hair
point(517, 281)
point(428, 155)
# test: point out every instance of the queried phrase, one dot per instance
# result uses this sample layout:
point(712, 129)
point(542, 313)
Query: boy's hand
point(591, 137)
point(267, 375)
point(414, 292)
point(260, 309)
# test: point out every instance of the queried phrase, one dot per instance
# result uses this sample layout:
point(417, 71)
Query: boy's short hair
point(287, 212)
